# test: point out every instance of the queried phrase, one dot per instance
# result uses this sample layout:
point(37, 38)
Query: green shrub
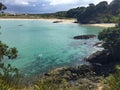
point(113, 80)
point(45, 84)
point(9, 77)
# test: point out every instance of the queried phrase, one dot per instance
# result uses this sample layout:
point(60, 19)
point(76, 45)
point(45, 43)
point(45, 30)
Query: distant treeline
point(60, 15)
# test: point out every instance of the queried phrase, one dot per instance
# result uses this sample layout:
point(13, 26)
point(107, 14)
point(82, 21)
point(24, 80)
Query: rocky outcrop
point(73, 73)
point(99, 57)
point(84, 36)
point(90, 75)
point(75, 22)
point(100, 66)
point(76, 76)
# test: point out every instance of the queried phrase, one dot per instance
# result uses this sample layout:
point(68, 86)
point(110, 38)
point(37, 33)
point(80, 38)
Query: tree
point(11, 53)
point(2, 7)
point(9, 76)
point(88, 15)
point(60, 14)
point(115, 7)
point(100, 13)
point(75, 12)
point(101, 7)
point(3, 50)
point(111, 39)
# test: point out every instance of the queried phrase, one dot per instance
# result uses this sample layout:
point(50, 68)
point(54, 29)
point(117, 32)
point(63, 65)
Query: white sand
point(61, 20)
point(104, 25)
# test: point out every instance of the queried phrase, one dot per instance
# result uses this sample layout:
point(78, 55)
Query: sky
point(45, 6)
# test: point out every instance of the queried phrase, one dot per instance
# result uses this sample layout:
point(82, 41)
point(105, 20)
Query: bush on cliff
point(111, 39)
point(9, 76)
point(113, 81)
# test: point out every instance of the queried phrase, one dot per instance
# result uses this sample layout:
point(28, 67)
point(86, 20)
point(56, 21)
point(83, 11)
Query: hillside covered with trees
point(100, 13)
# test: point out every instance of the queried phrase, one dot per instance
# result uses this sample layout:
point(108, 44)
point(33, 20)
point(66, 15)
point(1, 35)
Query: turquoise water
point(44, 45)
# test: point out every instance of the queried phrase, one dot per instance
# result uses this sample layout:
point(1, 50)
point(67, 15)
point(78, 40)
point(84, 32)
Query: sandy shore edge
point(68, 21)
point(104, 25)
point(51, 20)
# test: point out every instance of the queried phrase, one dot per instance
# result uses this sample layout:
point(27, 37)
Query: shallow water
point(44, 45)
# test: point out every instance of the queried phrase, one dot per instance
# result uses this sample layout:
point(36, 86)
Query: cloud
point(51, 2)
point(74, 2)
point(95, 1)
point(58, 2)
point(24, 3)
point(19, 2)
point(45, 6)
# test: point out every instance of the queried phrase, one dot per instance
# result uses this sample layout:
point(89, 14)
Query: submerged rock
point(84, 36)
point(20, 25)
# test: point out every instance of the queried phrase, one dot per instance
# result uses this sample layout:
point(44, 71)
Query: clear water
point(44, 45)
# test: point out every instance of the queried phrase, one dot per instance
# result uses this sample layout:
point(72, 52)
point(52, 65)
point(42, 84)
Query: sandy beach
point(104, 25)
point(68, 21)
point(51, 20)
point(61, 20)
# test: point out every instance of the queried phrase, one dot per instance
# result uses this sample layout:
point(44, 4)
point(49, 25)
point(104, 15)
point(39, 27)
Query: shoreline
point(66, 21)
point(104, 25)
point(69, 21)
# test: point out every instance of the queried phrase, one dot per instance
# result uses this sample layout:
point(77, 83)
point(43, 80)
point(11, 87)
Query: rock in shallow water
point(84, 36)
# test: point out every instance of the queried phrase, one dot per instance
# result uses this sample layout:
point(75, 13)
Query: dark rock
point(46, 74)
point(84, 36)
point(99, 44)
point(78, 76)
point(101, 66)
point(57, 21)
point(76, 22)
point(99, 57)
point(85, 43)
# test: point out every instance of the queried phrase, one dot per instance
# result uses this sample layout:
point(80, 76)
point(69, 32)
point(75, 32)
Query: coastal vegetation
point(2, 7)
point(100, 13)
point(9, 76)
point(111, 38)
point(113, 81)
